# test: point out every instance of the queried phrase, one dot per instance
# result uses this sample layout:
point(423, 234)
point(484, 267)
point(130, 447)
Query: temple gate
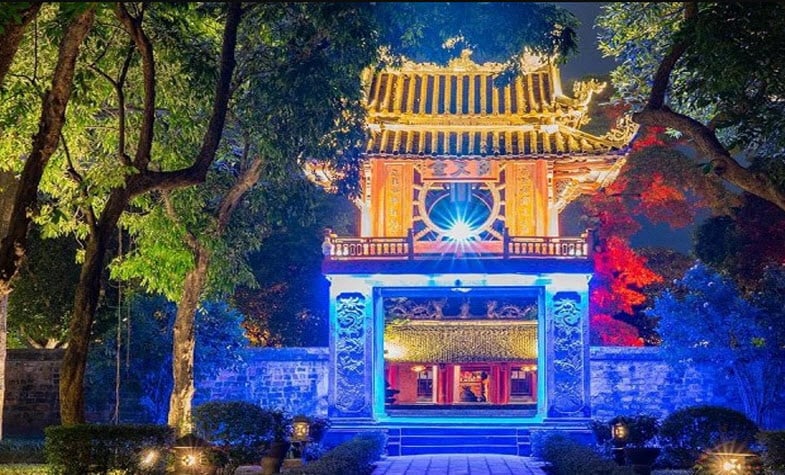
point(460, 302)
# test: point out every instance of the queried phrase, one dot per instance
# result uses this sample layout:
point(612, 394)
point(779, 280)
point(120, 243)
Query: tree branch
point(723, 165)
point(703, 136)
point(196, 173)
point(134, 28)
point(190, 239)
point(11, 37)
point(663, 74)
point(245, 182)
point(77, 177)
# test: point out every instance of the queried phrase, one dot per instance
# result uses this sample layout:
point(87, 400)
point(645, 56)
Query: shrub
point(567, 456)
point(16, 451)
point(353, 457)
point(85, 448)
point(241, 430)
point(688, 432)
point(773, 451)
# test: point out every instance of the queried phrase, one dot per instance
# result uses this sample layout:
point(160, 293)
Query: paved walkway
point(458, 464)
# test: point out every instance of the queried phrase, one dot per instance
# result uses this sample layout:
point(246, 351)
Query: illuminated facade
point(460, 300)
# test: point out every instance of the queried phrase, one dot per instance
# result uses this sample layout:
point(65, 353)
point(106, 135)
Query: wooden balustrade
point(513, 247)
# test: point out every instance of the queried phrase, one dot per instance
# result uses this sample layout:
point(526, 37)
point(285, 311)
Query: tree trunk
point(45, 143)
point(184, 340)
point(12, 35)
point(8, 184)
point(88, 292)
point(3, 344)
point(193, 286)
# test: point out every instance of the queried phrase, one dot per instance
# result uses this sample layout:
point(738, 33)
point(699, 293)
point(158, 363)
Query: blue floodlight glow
point(461, 231)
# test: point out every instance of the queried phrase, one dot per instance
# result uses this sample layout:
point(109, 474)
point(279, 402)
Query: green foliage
point(39, 306)
point(85, 448)
point(353, 457)
point(773, 456)
point(241, 430)
point(567, 456)
point(730, 71)
point(688, 432)
point(146, 356)
point(19, 451)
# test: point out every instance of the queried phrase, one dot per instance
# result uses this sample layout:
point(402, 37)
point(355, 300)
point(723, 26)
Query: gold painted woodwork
point(391, 197)
point(460, 341)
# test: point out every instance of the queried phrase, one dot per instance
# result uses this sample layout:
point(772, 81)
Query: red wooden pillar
point(534, 385)
point(441, 384)
point(392, 375)
point(495, 390)
point(504, 383)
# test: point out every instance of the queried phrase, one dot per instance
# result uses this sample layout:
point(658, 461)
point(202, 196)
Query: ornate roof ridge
point(530, 62)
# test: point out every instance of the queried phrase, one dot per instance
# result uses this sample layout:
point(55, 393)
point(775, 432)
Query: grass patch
point(23, 469)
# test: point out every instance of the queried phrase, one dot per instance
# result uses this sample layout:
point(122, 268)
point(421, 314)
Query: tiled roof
point(476, 141)
point(457, 110)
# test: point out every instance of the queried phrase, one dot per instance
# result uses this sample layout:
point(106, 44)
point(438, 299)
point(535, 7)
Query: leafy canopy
point(730, 73)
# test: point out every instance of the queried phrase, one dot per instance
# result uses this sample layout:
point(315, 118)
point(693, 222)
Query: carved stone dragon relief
point(350, 386)
point(568, 397)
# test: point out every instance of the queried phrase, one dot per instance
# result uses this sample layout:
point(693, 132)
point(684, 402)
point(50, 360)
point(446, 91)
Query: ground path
point(458, 464)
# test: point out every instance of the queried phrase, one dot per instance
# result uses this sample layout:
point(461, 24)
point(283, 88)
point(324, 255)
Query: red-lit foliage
point(650, 137)
point(619, 274)
point(663, 203)
point(608, 331)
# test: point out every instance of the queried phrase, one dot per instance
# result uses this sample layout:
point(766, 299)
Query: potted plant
point(276, 452)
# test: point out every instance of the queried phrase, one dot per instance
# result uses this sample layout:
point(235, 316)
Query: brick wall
point(294, 379)
point(31, 392)
point(623, 381)
point(626, 381)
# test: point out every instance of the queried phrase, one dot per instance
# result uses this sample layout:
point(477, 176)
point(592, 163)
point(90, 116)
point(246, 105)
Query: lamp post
point(619, 434)
point(301, 428)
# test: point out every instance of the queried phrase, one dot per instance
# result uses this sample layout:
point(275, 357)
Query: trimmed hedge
point(353, 457)
point(566, 456)
point(689, 432)
point(96, 448)
point(22, 451)
point(773, 456)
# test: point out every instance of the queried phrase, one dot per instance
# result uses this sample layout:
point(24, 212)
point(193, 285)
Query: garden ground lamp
point(619, 434)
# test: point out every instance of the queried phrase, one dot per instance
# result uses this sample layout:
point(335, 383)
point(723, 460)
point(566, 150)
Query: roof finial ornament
point(463, 62)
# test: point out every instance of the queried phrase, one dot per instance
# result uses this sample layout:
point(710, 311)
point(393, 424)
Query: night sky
point(590, 61)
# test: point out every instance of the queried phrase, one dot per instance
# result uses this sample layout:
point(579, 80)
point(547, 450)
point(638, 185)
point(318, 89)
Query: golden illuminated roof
point(457, 110)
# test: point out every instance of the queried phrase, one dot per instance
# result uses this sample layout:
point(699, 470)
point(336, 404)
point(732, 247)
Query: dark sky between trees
point(589, 61)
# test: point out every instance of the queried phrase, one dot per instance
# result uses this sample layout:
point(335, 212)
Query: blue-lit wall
point(356, 378)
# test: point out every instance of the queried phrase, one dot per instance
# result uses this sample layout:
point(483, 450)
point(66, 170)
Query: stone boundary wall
point(628, 381)
point(292, 379)
point(32, 398)
point(623, 381)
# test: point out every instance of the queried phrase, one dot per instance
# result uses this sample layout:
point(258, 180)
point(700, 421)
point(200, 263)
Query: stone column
point(567, 356)
point(351, 349)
